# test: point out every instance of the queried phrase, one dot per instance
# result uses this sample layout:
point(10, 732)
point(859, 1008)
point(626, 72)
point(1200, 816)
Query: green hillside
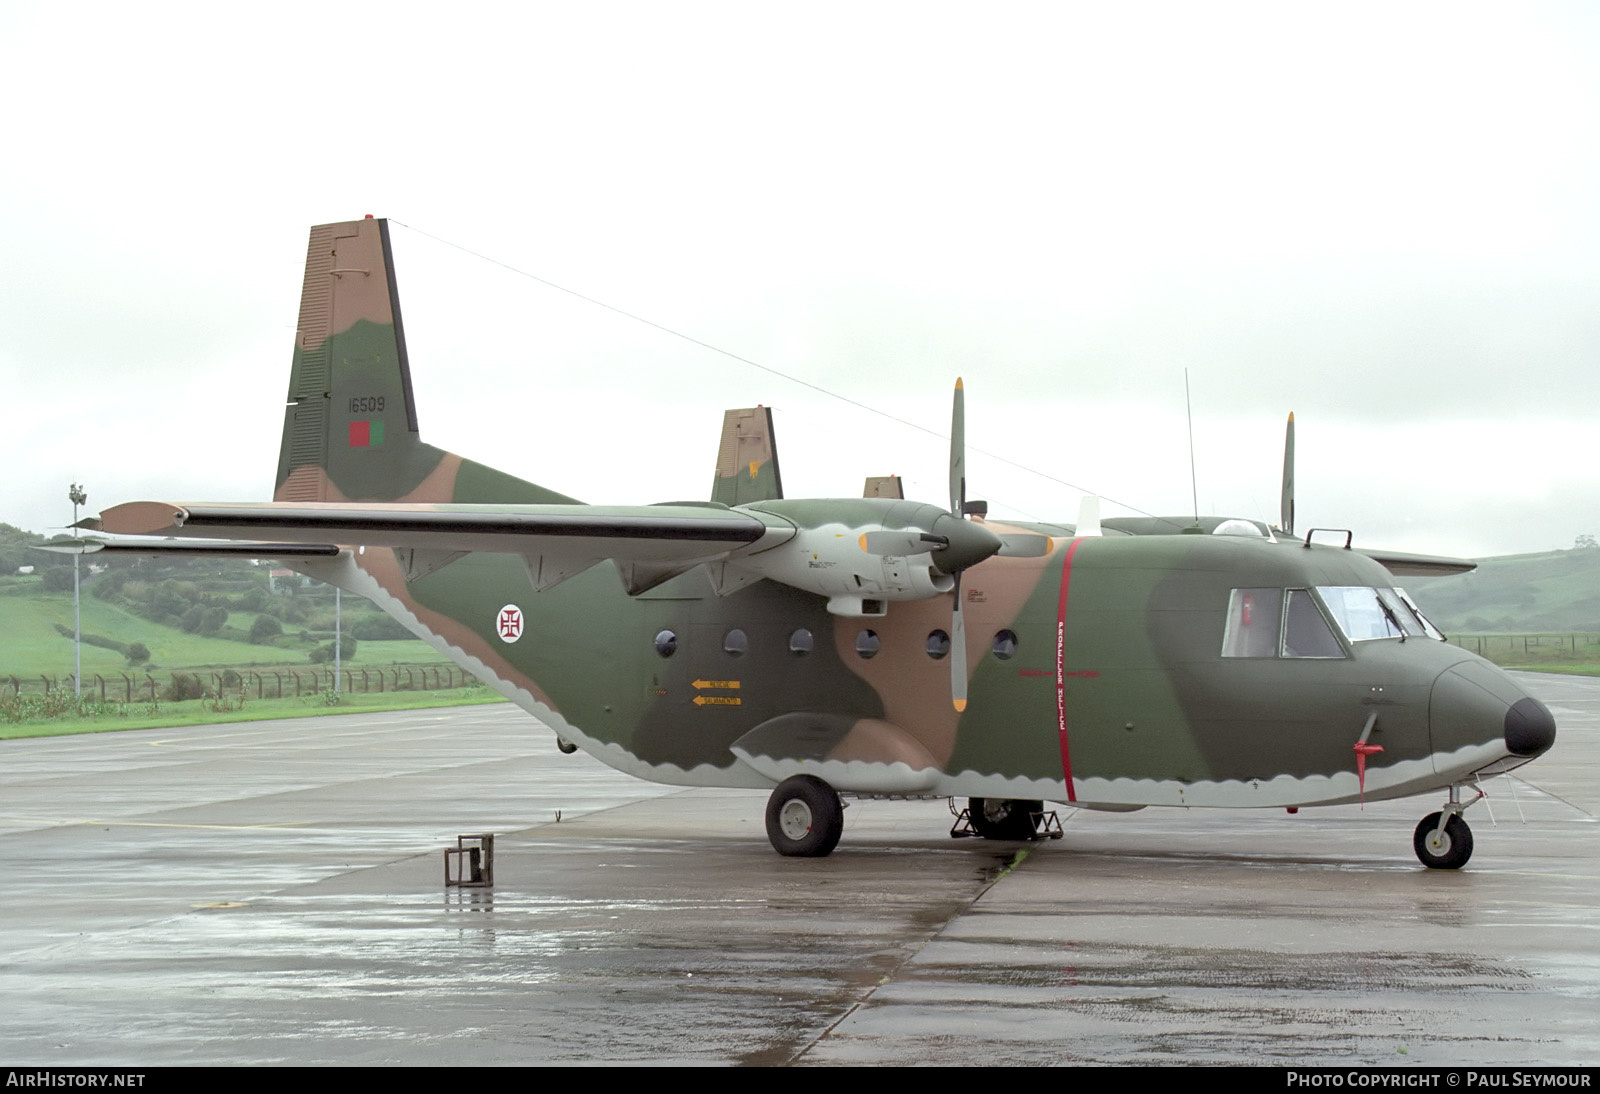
point(154, 615)
point(30, 645)
point(1550, 592)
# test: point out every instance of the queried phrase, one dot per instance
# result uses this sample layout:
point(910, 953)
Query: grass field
point(1572, 653)
point(30, 646)
point(108, 717)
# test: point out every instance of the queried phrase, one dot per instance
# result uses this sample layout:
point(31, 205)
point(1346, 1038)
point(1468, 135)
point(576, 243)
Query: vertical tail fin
point(882, 486)
point(747, 459)
point(350, 427)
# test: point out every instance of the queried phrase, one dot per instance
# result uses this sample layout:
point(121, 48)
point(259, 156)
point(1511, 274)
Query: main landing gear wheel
point(804, 817)
point(1447, 850)
point(1003, 818)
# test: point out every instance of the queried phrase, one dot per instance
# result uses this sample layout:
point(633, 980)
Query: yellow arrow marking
point(716, 700)
point(727, 685)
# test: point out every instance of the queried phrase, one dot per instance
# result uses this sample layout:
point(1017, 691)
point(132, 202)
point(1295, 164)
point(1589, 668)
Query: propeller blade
point(1089, 516)
point(958, 654)
point(1286, 504)
point(958, 452)
point(1025, 545)
point(901, 542)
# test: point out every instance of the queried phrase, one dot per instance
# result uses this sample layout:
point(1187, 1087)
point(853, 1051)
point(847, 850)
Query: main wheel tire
point(1447, 850)
point(805, 817)
point(1003, 818)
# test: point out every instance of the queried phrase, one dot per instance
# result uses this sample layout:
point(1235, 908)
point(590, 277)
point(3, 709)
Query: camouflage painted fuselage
point(1096, 671)
point(1115, 691)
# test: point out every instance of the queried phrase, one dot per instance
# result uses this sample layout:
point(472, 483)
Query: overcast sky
point(1380, 216)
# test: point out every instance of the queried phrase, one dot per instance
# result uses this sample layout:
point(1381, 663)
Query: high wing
point(649, 543)
point(648, 533)
point(1402, 564)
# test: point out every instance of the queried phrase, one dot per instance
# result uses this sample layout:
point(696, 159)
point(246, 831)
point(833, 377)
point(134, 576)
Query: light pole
point(76, 495)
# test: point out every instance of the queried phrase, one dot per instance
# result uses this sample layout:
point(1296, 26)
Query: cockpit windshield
point(1364, 613)
point(1291, 623)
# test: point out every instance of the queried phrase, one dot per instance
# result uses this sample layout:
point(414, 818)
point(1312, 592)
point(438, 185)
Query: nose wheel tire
point(1446, 850)
point(1003, 818)
point(804, 817)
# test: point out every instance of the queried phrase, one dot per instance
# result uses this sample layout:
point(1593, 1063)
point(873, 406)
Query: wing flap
point(194, 548)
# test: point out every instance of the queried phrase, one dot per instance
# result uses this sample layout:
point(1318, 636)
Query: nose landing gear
point(1443, 841)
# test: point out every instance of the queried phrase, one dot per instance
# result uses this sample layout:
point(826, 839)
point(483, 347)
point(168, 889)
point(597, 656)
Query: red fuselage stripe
point(1061, 670)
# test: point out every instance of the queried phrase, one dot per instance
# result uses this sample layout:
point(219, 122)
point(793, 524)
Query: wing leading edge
point(646, 533)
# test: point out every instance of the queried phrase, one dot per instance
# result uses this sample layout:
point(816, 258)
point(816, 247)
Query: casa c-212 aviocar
point(872, 645)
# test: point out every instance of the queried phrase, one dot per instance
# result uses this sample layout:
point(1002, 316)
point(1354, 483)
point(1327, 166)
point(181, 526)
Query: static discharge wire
point(757, 364)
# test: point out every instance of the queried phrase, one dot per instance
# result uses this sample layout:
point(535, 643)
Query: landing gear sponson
point(805, 817)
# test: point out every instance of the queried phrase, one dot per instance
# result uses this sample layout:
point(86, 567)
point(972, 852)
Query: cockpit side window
point(1427, 626)
point(1306, 632)
point(1253, 618)
point(1401, 612)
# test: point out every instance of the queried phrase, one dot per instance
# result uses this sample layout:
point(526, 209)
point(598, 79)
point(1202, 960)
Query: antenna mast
point(1194, 487)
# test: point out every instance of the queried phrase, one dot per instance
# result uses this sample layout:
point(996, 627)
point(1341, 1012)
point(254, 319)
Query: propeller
point(958, 505)
point(1286, 503)
point(952, 543)
point(1012, 545)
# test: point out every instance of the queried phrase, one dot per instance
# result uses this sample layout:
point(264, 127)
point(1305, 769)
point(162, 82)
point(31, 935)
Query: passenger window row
point(802, 642)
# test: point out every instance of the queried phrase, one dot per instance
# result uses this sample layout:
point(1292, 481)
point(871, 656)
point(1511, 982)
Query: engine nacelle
point(860, 566)
point(830, 562)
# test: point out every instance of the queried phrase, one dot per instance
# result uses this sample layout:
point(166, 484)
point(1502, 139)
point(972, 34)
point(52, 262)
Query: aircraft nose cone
point(1475, 703)
point(1530, 727)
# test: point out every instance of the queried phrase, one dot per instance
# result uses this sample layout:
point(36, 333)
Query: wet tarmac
point(272, 892)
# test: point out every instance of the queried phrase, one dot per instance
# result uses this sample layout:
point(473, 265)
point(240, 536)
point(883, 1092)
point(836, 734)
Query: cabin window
point(867, 645)
point(1005, 645)
point(801, 642)
point(938, 645)
point(735, 644)
point(1306, 632)
point(1253, 618)
point(666, 643)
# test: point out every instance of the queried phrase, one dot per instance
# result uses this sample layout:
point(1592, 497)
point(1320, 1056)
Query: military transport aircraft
point(866, 646)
